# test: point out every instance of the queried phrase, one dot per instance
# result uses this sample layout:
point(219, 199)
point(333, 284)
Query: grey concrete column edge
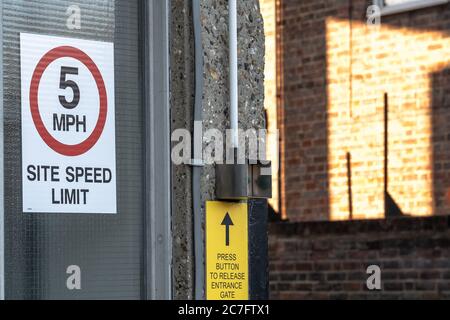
point(158, 166)
point(2, 207)
point(182, 86)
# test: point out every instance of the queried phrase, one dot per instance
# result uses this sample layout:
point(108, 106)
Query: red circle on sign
point(47, 59)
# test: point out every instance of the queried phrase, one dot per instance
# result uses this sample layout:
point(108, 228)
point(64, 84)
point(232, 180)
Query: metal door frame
point(158, 248)
point(2, 202)
point(158, 244)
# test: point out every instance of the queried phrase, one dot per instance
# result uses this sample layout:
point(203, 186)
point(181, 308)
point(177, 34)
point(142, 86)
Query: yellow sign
point(226, 251)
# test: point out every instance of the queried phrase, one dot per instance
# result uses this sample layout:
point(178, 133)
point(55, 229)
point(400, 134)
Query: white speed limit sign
point(68, 125)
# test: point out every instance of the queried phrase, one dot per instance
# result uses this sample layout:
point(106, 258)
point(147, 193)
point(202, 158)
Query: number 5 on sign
point(64, 83)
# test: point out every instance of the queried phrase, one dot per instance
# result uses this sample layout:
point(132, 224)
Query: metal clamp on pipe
point(253, 179)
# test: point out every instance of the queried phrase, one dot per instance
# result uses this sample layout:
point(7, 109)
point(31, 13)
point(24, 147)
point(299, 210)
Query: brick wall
point(328, 260)
point(334, 72)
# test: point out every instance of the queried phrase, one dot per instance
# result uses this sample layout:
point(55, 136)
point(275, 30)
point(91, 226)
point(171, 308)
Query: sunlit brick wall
point(336, 71)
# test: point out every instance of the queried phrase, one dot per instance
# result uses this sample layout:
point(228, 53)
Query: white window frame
point(408, 6)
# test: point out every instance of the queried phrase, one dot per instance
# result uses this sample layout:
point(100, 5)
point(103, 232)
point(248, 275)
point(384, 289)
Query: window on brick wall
point(397, 6)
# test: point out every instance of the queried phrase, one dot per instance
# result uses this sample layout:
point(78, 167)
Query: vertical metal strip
point(386, 152)
point(157, 176)
point(2, 207)
point(258, 249)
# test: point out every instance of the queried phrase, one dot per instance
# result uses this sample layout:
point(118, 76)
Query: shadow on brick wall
point(305, 101)
point(440, 112)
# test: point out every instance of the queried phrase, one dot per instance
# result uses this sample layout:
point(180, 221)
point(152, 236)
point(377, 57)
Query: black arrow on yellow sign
point(227, 222)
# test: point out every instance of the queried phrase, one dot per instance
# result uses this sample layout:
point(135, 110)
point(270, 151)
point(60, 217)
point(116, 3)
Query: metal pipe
point(234, 99)
point(349, 185)
point(386, 152)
